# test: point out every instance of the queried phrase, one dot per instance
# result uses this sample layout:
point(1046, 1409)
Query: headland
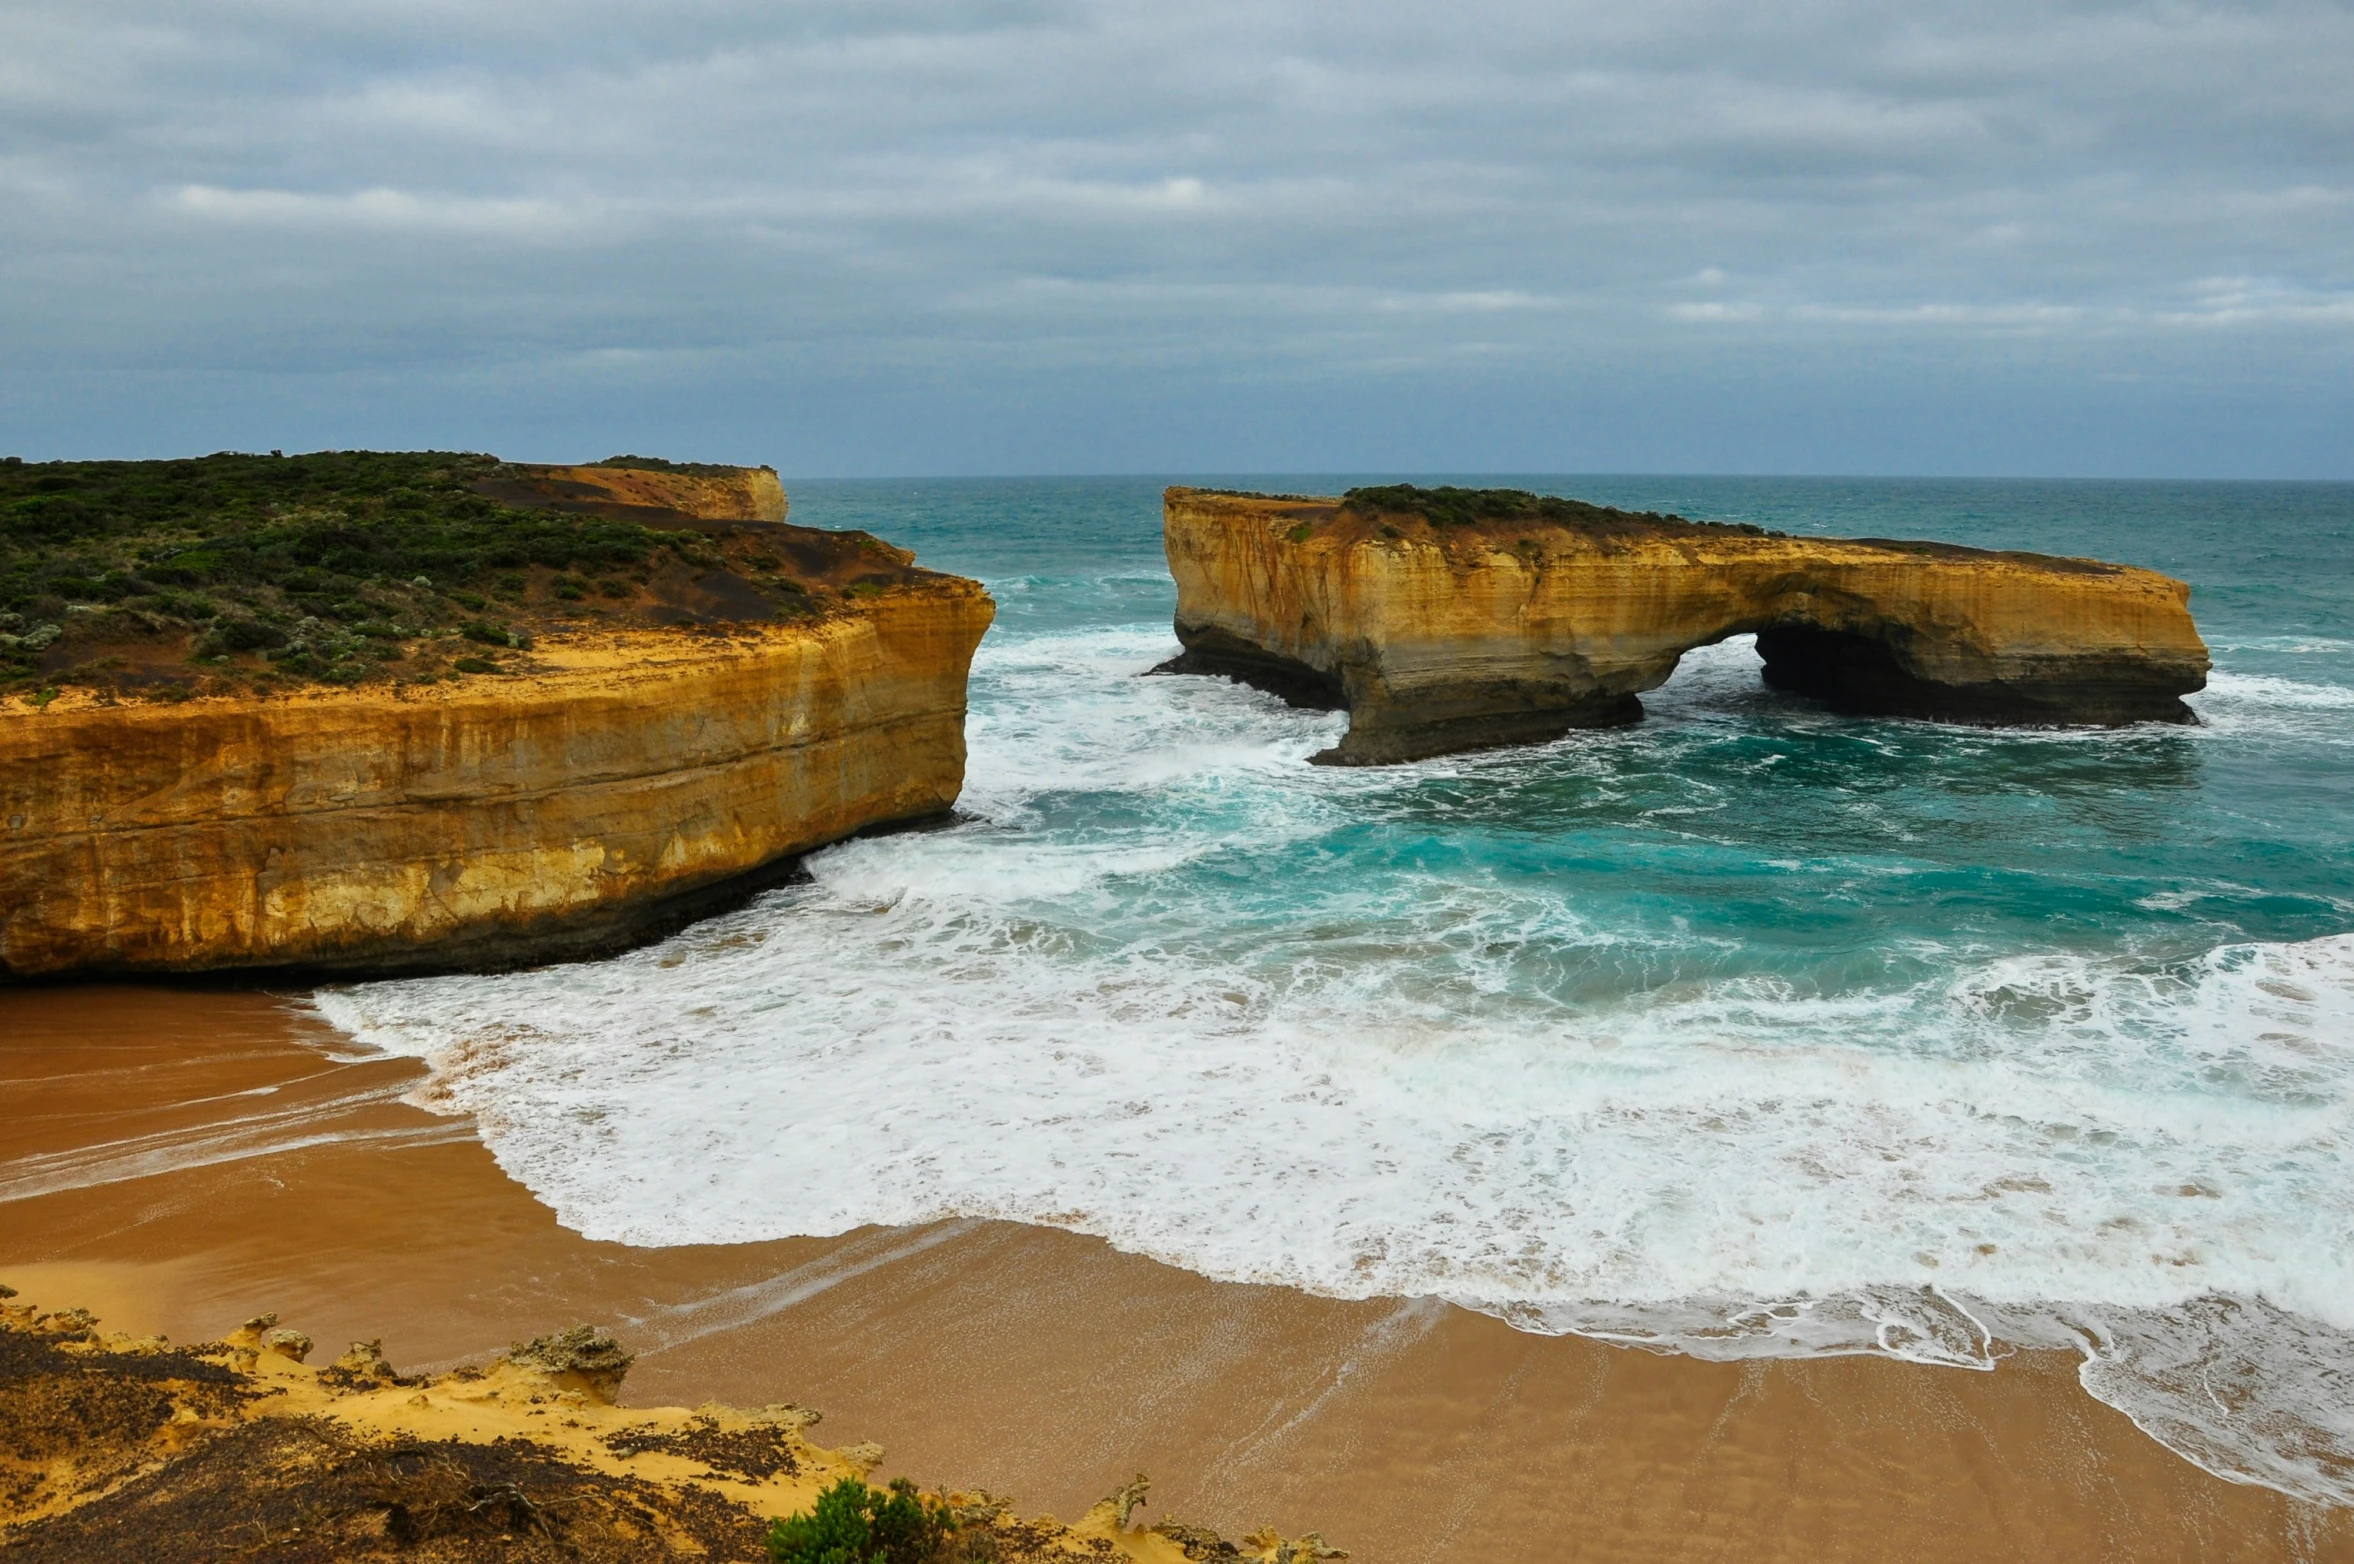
point(373, 713)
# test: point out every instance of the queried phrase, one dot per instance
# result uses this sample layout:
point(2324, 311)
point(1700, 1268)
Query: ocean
point(1751, 1030)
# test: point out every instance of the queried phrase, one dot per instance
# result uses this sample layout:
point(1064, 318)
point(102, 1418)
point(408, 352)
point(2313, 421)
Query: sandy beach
point(178, 1159)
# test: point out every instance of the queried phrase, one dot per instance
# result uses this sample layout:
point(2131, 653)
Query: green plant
point(1299, 534)
point(854, 1524)
point(661, 464)
point(216, 558)
point(475, 665)
point(241, 635)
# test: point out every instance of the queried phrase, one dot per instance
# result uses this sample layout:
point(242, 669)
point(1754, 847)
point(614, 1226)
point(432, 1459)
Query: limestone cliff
point(660, 494)
point(615, 779)
point(1512, 628)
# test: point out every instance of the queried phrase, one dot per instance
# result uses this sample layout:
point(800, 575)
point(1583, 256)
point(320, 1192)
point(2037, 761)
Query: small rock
point(978, 1508)
point(583, 1350)
point(287, 1343)
point(1126, 1499)
point(789, 1414)
point(366, 1360)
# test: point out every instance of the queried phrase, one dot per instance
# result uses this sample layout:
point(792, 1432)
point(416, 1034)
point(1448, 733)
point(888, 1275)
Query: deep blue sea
point(1749, 1030)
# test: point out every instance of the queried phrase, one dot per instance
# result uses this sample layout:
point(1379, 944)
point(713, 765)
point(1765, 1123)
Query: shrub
point(853, 1524)
point(1449, 506)
point(386, 546)
point(661, 464)
point(242, 635)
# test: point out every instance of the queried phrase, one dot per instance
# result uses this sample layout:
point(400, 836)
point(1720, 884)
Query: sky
point(1065, 236)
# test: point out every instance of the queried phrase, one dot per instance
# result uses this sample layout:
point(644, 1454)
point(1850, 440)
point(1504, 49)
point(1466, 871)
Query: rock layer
point(627, 779)
point(1507, 631)
point(657, 496)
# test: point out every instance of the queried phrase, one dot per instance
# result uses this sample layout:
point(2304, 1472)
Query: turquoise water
point(1749, 1030)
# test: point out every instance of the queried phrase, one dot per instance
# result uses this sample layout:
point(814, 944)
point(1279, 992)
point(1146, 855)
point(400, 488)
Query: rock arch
point(1515, 627)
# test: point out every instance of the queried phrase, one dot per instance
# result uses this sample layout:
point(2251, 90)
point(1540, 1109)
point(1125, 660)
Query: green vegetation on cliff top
point(1448, 506)
point(234, 572)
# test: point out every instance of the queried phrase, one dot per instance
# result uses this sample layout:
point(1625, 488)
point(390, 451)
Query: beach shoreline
point(178, 1160)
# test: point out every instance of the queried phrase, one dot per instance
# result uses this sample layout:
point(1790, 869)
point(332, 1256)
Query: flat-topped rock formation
point(644, 489)
point(1450, 619)
point(518, 766)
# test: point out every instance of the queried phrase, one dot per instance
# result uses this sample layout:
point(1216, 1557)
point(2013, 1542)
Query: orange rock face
point(628, 778)
point(705, 493)
point(1441, 639)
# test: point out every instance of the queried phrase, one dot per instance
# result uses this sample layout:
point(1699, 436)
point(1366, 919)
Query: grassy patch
point(228, 572)
point(659, 464)
point(1448, 506)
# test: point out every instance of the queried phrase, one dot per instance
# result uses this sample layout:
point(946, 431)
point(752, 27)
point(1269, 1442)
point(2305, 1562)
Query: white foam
point(1098, 1007)
point(2238, 704)
point(264, 1132)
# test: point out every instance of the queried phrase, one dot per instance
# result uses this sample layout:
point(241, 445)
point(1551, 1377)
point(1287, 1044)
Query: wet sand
point(180, 1159)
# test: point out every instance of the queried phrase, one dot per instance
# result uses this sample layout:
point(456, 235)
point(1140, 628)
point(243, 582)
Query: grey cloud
point(963, 236)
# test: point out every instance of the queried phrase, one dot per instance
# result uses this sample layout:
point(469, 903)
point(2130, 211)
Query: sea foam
point(1579, 1037)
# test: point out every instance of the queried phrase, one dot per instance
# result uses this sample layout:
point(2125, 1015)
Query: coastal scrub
point(1448, 506)
point(237, 573)
point(855, 1524)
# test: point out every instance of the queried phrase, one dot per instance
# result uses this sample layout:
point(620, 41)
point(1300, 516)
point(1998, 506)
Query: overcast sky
point(1028, 236)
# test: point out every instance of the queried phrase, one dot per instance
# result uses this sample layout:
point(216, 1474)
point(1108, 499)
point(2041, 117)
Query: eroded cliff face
point(1441, 639)
point(627, 778)
point(705, 493)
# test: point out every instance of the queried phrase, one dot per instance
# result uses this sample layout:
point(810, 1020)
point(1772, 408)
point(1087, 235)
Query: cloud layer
point(1058, 235)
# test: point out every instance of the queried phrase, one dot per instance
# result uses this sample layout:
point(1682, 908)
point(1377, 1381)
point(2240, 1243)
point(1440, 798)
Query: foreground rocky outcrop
point(644, 759)
point(1446, 620)
point(113, 1448)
